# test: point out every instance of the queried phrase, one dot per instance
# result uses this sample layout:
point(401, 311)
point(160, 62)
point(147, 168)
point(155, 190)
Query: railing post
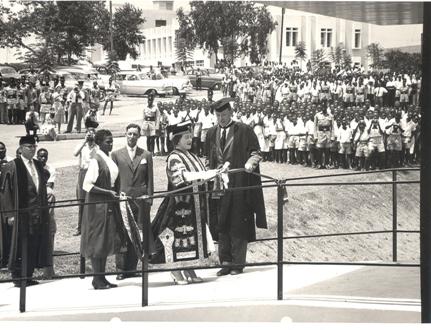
point(394, 217)
point(81, 266)
point(23, 227)
point(145, 259)
point(280, 240)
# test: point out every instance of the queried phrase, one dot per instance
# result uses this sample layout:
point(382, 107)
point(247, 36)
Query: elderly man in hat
point(238, 212)
point(23, 187)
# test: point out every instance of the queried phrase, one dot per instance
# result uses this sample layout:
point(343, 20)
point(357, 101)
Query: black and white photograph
point(254, 162)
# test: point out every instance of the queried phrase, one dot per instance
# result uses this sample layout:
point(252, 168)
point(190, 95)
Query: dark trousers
point(232, 250)
point(98, 265)
point(75, 110)
point(3, 113)
point(33, 243)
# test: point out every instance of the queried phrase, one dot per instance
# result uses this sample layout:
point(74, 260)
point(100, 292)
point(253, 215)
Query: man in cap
point(23, 186)
point(238, 212)
point(151, 123)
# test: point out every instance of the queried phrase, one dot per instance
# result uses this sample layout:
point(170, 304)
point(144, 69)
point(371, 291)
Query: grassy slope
point(311, 210)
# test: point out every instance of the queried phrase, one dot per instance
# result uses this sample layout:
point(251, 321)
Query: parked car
point(210, 79)
point(139, 83)
point(7, 72)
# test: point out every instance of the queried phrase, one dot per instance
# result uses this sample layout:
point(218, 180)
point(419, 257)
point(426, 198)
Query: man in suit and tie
point(135, 167)
point(238, 212)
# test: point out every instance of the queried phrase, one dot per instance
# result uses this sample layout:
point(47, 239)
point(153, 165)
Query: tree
point(336, 54)
point(126, 25)
point(346, 59)
point(398, 61)
point(235, 27)
point(62, 30)
point(318, 58)
point(182, 51)
point(300, 51)
point(375, 53)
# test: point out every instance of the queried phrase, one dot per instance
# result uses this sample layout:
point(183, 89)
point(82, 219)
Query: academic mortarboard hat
point(28, 139)
point(179, 129)
point(222, 104)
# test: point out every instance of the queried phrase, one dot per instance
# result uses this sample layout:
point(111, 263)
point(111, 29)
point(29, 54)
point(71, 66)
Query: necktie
point(223, 139)
point(132, 153)
point(76, 97)
point(33, 174)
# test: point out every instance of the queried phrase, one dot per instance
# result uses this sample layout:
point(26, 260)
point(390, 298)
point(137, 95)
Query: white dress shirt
point(93, 171)
point(31, 168)
point(131, 152)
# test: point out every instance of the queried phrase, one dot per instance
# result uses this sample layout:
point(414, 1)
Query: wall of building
point(309, 27)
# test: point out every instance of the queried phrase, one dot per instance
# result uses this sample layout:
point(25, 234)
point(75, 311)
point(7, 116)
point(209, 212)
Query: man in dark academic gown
point(23, 186)
point(238, 212)
point(5, 229)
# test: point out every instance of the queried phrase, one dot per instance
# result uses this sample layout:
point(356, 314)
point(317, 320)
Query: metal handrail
point(280, 184)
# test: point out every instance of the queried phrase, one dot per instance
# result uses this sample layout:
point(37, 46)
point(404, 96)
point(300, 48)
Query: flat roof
point(375, 12)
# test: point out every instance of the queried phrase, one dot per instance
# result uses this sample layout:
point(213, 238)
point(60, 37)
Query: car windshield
point(7, 70)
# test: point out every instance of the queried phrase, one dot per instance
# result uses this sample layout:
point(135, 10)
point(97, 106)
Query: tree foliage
point(60, 32)
point(398, 61)
point(52, 32)
point(375, 53)
point(336, 54)
point(182, 51)
point(127, 21)
point(235, 27)
point(318, 59)
point(301, 50)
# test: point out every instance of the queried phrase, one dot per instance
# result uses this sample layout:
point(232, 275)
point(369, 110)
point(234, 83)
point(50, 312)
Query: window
point(291, 37)
point(357, 38)
point(160, 22)
point(326, 37)
point(200, 63)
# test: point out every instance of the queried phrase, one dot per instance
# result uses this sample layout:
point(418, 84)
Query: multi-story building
point(316, 31)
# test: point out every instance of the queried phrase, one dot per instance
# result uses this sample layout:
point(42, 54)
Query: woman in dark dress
point(101, 232)
point(181, 227)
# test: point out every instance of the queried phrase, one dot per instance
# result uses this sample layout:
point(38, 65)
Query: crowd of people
point(43, 103)
point(350, 119)
point(346, 120)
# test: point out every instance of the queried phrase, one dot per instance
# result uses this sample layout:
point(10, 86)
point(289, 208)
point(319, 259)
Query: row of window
point(325, 37)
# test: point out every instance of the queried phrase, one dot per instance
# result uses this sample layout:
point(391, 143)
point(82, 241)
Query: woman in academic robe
point(101, 233)
point(181, 227)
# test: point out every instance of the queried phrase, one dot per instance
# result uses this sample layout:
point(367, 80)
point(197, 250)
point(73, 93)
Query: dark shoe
point(223, 272)
point(17, 284)
point(236, 271)
point(66, 132)
point(111, 285)
point(124, 276)
point(121, 277)
point(100, 286)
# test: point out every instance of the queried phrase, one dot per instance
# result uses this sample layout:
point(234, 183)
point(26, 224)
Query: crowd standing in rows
point(348, 120)
point(44, 103)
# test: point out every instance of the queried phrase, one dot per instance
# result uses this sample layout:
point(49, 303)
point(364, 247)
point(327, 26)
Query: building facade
point(316, 31)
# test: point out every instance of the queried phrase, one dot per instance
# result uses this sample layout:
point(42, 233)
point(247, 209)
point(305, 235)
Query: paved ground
point(311, 294)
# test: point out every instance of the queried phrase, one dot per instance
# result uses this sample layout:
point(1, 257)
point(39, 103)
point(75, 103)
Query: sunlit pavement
point(311, 294)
